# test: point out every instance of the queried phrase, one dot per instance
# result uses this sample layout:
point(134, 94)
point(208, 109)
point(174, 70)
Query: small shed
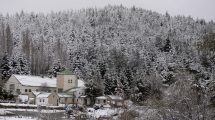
point(84, 100)
point(65, 98)
point(112, 100)
point(115, 101)
point(101, 100)
point(47, 99)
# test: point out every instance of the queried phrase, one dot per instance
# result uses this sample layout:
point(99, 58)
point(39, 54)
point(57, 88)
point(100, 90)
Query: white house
point(25, 84)
point(65, 89)
point(112, 100)
point(47, 99)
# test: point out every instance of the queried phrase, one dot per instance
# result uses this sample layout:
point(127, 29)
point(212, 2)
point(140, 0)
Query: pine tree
point(126, 88)
point(102, 69)
point(93, 90)
point(167, 46)
point(110, 84)
point(3, 94)
point(14, 66)
point(23, 66)
point(57, 67)
point(119, 90)
point(78, 66)
point(6, 68)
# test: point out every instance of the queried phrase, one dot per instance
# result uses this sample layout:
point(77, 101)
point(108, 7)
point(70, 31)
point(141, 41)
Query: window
point(37, 90)
point(60, 90)
point(18, 91)
point(69, 81)
point(26, 90)
point(43, 100)
point(12, 87)
point(29, 90)
point(104, 101)
point(40, 100)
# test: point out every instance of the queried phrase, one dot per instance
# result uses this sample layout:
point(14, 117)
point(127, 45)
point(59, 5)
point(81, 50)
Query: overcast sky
point(196, 8)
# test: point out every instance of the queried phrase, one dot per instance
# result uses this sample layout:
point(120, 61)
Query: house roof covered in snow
point(75, 89)
point(101, 97)
point(36, 93)
point(43, 95)
point(28, 80)
point(64, 95)
point(115, 97)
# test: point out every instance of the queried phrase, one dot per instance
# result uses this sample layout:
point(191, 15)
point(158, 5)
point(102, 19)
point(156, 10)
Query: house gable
point(12, 85)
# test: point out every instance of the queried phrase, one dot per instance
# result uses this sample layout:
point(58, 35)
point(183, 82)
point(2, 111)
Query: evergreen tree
point(119, 90)
point(102, 69)
point(167, 46)
point(110, 84)
point(57, 67)
point(125, 88)
point(6, 68)
point(78, 65)
point(93, 90)
point(23, 66)
point(4, 95)
point(14, 66)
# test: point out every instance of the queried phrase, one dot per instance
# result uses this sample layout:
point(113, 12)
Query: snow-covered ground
point(28, 114)
point(16, 118)
point(13, 113)
point(29, 110)
point(103, 112)
point(4, 112)
point(26, 105)
point(17, 105)
point(5, 115)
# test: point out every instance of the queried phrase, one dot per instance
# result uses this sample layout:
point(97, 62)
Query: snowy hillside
point(163, 61)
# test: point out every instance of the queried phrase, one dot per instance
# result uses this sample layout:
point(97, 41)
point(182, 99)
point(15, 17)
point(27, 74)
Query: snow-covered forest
point(136, 53)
